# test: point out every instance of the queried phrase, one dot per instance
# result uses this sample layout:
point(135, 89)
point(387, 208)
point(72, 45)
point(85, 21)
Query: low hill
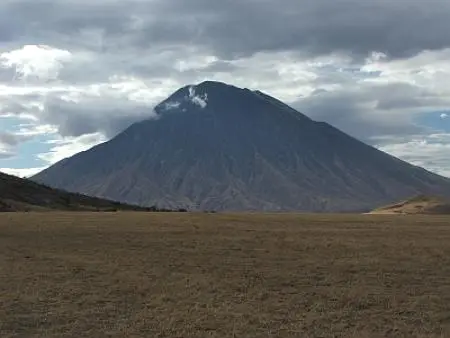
point(421, 204)
point(17, 194)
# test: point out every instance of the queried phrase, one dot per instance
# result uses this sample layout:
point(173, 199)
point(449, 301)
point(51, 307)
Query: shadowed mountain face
point(215, 146)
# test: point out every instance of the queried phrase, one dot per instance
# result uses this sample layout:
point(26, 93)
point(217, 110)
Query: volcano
point(213, 146)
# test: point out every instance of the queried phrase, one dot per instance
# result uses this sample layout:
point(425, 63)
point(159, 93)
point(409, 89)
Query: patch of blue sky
point(26, 153)
point(9, 124)
point(438, 120)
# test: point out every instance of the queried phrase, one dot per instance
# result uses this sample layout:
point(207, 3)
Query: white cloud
point(194, 62)
point(284, 75)
point(171, 105)
point(64, 147)
point(22, 172)
point(428, 69)
point(200, 100)
point(30, 130)
point(35, 61)
point(136, 89)
point(430, 152)
point(19, 116)
point(444, 116)
point(86, 108)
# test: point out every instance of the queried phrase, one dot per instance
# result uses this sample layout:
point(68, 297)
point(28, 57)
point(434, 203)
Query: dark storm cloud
point(233, 28)
point(93, 115)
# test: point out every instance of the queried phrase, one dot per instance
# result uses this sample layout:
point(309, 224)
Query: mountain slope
point(215, 146)
point(17, 194)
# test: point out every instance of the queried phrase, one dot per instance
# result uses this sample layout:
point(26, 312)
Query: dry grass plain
point(210, 275)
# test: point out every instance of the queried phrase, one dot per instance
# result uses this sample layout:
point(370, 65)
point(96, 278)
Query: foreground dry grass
point(186, 275)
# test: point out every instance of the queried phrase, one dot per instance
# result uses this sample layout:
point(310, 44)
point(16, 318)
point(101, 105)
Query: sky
point(74, 73)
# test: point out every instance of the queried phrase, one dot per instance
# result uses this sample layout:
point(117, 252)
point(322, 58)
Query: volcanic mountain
point(216, 146)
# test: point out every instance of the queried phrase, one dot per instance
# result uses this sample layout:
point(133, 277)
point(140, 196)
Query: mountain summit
point(216, 146)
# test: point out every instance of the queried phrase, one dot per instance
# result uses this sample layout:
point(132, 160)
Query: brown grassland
point(131, 274)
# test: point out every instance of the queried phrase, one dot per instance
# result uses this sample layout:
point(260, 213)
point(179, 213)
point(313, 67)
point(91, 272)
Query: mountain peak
point(212, 84)
point(216, 87)
point(217, 97)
